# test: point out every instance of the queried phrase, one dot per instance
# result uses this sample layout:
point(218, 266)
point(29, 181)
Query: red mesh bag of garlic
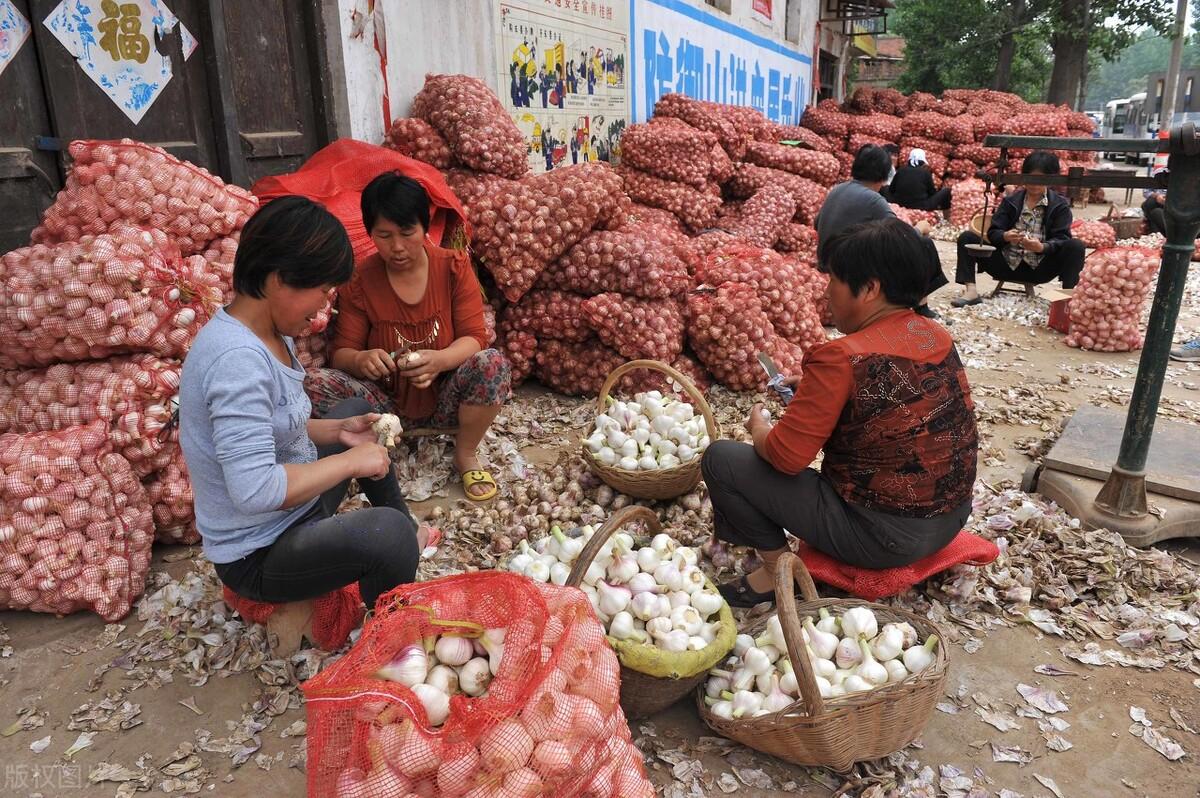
point(827, 123)
point(781, 284)
point(760, 219)
point(913, 215)
point(931, 124)
point(133, 396)
point(575, 368)
point(596, 184)
point(520, 348)
point(950, 107)
point(820, 167)
point(797, 238)
point(966, 200)
point(1106, 306)
point(101, 296)
point(707, 116)
point(960, 169)
point(75, 524)
point(727, 328)
point(626, 261)
point(774, 133)
point(549, 314)
point(169, 492)
point(475, 126)
point(696, 208)
point(1037, 124)
point(416, 138)
point(547, 720)
point(931, 146)
point(977, 153)
point(310, 350)
point(218, 258)
point(1094, 235)
point(857, 141)
point(672, 152)
point(637, 329)
point(126, 182)
point(809, 195)
point(876, 126)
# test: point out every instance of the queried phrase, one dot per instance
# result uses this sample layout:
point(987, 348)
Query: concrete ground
point(51, 663)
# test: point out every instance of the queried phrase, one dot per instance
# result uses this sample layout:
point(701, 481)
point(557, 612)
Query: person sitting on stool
point(912, 187)
point(1152, 209)
point(1031, 231)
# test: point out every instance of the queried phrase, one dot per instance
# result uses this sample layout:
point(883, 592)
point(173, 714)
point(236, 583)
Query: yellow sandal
point(478, 477)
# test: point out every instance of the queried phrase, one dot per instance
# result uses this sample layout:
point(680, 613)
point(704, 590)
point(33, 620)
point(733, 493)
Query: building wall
point(460, 36)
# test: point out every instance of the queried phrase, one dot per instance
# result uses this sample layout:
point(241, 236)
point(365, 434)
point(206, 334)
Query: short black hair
point(397, 198)
point(872, 164)
point(298, 239)
point(887, 250)
point(1042, 161)
point(892, 149)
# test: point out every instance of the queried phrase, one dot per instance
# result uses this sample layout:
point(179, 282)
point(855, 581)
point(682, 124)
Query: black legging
point(1065, 264)
point(937, 201)
point(323, 551)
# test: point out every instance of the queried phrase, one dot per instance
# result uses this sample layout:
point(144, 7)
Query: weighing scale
point(1152, 490)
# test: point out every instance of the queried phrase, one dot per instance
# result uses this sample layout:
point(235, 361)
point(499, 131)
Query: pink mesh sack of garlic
point(820, 167)
point(676, 152)
point(966, 200)
point(628, 261)
point(475, 126)
point(127, 182)
point(637, 328)
point(75, 524)
point(696, 208)
point(1094, 235)
point(727, 328)
point(416, 138)
point(761, 219)
point(111, 294)
point(549, 314)
point(169, 492)
point(1106, 306)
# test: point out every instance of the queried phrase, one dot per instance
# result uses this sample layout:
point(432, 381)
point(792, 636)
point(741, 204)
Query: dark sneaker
point(962, 302)
point(927, 312)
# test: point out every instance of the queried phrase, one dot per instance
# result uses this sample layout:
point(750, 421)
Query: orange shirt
point(891, 408)
point(370, 314)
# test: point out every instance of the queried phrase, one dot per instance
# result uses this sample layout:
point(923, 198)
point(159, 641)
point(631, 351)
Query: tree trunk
point(1070, 45)
point(1008, 46)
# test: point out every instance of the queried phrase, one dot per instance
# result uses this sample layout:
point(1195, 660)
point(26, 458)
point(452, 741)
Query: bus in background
point(1129, 119)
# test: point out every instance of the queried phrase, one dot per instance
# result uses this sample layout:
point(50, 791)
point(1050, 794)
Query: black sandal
point(738, 594)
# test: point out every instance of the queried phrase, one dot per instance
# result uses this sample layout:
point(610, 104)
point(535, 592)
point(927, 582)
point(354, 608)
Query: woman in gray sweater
point(267, 478)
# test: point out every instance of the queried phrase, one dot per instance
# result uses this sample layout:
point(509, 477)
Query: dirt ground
point(51, 661)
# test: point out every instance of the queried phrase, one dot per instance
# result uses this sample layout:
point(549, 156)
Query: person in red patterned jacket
point(890, 407)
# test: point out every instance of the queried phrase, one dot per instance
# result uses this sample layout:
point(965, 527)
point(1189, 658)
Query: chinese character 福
point(122, 32)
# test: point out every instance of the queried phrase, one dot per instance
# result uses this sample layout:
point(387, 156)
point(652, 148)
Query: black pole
point(1124, 493)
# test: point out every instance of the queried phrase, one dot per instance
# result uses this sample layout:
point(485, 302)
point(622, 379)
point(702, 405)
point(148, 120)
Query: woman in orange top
point(410, 335)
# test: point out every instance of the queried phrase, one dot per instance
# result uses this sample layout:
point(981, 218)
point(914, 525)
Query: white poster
point(14, 30)
point(114, 43)
point(563, 75)
point(677, 47)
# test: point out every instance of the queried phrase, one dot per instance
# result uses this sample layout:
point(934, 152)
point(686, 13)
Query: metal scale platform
point(1151, 492)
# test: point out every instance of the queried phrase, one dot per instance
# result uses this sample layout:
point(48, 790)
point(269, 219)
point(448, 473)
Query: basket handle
point(657, 365)
point(634, 512)
point(789, 570)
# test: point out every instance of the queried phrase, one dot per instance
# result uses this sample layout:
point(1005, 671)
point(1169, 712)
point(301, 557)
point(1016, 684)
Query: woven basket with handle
point(641, 693)
point(664, 483)
point(836, 732)
point(1123, 226)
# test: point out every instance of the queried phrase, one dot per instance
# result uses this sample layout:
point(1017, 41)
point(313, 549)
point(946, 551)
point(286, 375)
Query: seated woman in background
point(890, 407)
point(269, 479)
point(410, 335)
point(912, 187)
point(1031, 231)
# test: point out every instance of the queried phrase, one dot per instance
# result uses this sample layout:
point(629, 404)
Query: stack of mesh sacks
point(96, 316)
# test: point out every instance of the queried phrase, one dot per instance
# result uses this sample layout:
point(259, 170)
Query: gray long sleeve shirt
point(846, 205)
point(242, 416)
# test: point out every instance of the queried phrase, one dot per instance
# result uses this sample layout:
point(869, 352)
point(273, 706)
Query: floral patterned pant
point(483, 379)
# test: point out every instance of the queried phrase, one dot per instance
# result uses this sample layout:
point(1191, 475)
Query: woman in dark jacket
point(912, 187)
point(1031, 231)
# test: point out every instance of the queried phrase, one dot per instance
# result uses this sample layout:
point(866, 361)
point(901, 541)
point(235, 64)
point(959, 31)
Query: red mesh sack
point(75, 524)
point(966, 200)
point(1094, 235)
point(310, 350)
point(336, 175)
point(478, 130)
point(696, 208)
point(931, 147)
point(103, 295)
point(649, 215)
point(549, 724)
point(1037, 124)
point(416, 138)
point(977, 153)
point(1106, 306)
point(172, 503)
point(596, 184)
point(912, 215)
point(133, 396)
point(858, 140)
point(797, 238)
point(549, 314)
point(672, 152)
point(637, 328)
point(760, 218)
point(575, 368)
point(960, 169)
point(877, 126)
point(784, 292)
point(626, 261)
point(889, 101)
point(727, 328)
point(335, 614)
point(931, 124)
point(774, 133)
point(820, 167)
point(950, 107)
point(861, 100)
point(115, 182)
point(828, 123)
point(809, 195)
point(520, 348)
point(707, 116)
point(921, 101)
point(722, 165)
point(988, 124)
point(218, 258)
